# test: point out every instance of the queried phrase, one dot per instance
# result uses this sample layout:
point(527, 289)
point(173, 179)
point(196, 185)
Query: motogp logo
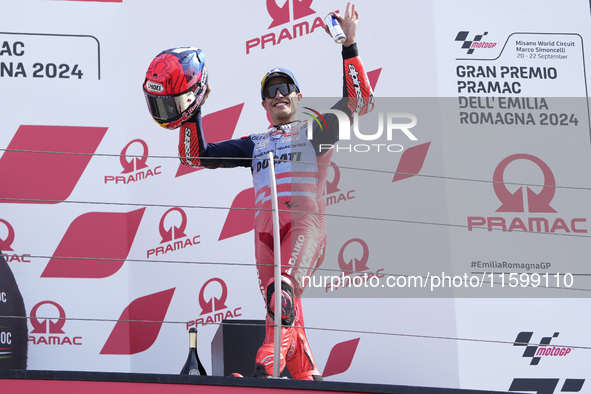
point(476, 42)
point(535, 351)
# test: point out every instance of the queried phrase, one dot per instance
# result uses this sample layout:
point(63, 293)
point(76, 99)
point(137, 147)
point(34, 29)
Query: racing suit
point(301, 168)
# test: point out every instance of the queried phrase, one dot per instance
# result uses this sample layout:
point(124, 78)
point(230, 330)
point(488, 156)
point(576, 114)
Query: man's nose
point(278, 92)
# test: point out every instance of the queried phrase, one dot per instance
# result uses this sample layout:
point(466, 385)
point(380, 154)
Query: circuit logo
point(475, 42)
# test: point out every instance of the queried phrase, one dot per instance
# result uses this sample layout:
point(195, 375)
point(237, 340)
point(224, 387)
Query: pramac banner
point(457, 211)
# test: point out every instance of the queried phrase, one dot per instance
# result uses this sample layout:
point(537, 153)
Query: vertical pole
point(277, 256)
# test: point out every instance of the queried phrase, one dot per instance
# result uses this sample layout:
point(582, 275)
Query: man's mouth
point(281, 104)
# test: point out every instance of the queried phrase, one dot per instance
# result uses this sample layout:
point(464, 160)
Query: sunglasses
point(285, 89)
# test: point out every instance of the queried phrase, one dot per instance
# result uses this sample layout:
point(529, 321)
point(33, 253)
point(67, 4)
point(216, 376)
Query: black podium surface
point(64, 382)
point(234, 347)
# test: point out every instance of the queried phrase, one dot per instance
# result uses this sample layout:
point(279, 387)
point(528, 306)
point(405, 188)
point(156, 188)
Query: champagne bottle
point(193, 365)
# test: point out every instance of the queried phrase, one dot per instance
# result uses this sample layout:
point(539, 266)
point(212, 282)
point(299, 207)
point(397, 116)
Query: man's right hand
point(207, 91)
point(348, 23)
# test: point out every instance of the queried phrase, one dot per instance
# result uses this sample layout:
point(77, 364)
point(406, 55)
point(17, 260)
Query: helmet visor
point(169, 108)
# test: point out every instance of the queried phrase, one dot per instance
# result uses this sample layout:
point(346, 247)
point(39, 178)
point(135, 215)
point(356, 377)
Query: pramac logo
point(48, 326)
point(173, 232)
point(6, 245)
point(135, 168)
point(289, 15)
point(537, 203)
point(136, 163)
point(173, 235)
point(514, 202)
point(282, 14)
point(212, 300)
point(214, 303)
point(48, 330)
point(356, 266)
point(334, 195)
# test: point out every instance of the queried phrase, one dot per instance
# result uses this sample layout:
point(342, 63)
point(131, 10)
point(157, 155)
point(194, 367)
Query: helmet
point(278, 72)
point(175, 85)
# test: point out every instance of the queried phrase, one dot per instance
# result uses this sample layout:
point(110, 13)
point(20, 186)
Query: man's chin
point(281, 117)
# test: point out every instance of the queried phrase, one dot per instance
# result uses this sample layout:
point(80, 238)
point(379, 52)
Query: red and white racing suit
point(301, 168)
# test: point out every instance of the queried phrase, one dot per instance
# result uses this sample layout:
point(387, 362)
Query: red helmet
point(175, 85)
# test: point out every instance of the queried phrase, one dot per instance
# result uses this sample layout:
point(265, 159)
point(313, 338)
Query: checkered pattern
point(463, 35)
point(523, 339)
